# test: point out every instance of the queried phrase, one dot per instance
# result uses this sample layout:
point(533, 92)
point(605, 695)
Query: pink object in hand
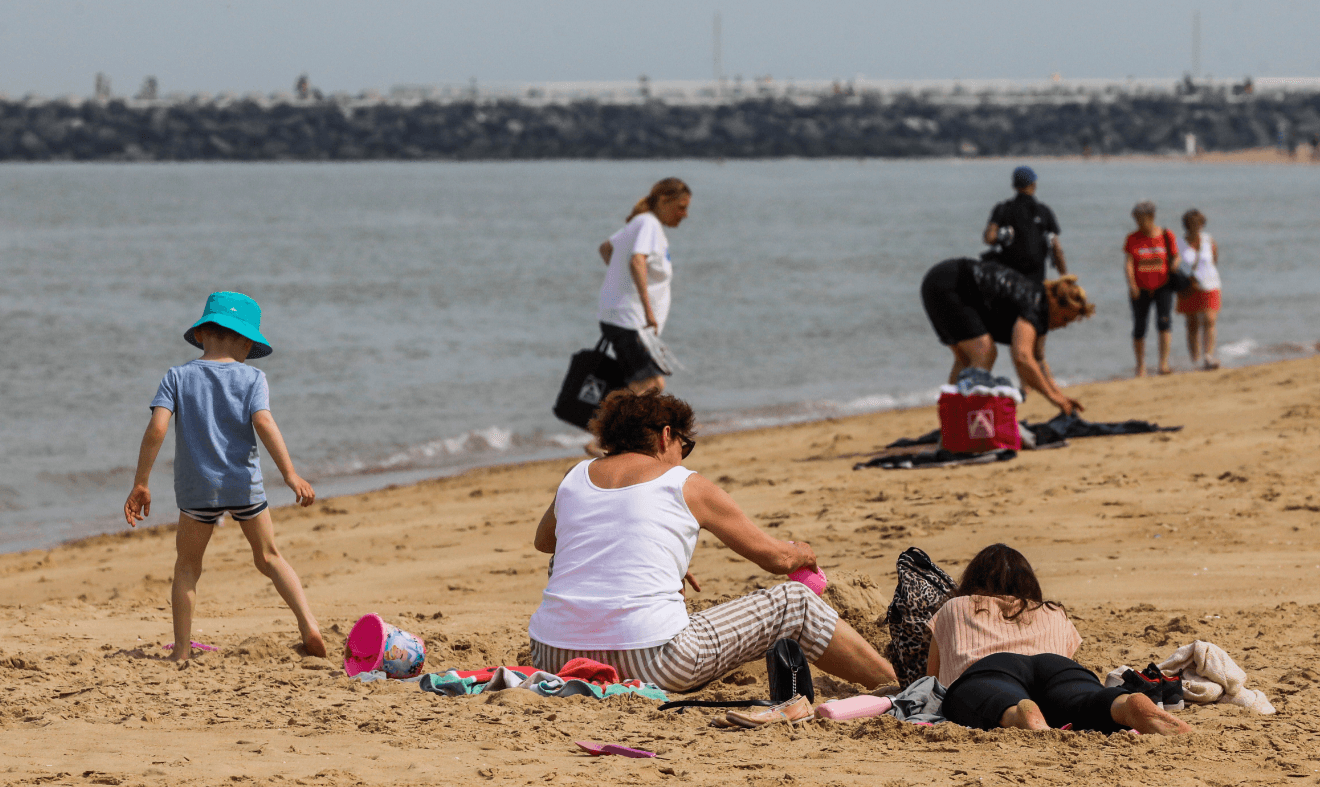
point(859, 707)
point(812, 579)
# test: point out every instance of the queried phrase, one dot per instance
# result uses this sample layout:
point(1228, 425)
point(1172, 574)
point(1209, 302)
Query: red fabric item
point(590, 671)
point(975, 424)
point(1150, 258)
point(1198, 301)
point(484, 675)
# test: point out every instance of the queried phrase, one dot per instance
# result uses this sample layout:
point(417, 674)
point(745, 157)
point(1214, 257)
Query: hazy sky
point(54, 47)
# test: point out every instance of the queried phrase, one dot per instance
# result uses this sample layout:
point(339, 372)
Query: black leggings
point(1163, 300)
point(1066, 692)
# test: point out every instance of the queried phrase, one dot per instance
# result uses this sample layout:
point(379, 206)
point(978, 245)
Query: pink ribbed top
point(969, 628)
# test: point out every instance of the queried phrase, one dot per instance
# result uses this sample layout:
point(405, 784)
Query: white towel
point(1210, 675)
point(659, 351)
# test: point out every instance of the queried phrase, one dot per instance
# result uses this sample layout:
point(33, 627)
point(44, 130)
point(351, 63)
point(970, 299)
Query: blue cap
point(1023, 177)
point(238, 313)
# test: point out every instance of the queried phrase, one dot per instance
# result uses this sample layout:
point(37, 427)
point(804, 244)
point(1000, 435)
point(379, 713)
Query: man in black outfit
point(1023, 232)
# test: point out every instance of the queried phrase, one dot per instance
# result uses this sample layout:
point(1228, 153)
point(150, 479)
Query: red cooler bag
point(975, 424)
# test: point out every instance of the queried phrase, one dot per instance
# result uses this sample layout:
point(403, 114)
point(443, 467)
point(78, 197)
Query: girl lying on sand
point(1005, 654)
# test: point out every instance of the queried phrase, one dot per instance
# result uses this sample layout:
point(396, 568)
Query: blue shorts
point(209, 516)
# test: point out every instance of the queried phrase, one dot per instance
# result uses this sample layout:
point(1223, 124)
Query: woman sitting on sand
point(1006, 655)
point(973, 304)
point(622, 530)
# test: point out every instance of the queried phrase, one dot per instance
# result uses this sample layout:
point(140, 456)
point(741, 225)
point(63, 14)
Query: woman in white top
point(1200, 304)
point(635, 295)
point(622, 530)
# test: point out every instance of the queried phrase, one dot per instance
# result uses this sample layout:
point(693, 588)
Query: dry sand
point(1151, 541)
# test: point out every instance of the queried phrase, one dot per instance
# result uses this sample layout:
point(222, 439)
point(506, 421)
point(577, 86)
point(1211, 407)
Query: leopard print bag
point(922, 589)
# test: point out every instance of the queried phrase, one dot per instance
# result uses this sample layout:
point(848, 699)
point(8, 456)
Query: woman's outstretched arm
point(717, 512)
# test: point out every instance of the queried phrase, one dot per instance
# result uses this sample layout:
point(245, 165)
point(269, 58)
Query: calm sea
point(423, 315)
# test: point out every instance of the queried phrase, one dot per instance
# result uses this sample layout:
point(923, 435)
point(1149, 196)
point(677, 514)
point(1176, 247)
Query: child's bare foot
point(1166, 370)
point(314, 645)
point(1025, 715)
point(1141, 371)
point(180, 654)
point(1141, 714)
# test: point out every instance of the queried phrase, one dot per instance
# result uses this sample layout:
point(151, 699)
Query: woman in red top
point(1148, 256)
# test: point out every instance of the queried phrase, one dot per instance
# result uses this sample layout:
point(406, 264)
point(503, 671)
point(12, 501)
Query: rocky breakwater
point(861, 125)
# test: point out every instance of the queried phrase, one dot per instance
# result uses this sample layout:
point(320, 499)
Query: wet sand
point(1151, 541)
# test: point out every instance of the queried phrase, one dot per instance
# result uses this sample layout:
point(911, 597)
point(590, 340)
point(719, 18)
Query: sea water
point(423, 314)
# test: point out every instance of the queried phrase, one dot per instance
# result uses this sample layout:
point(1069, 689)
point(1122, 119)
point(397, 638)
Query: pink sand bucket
point(812, 579)
point(374, 644)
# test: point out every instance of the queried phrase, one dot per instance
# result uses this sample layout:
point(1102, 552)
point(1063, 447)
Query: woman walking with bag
point(635, 296)
point(1200, 303)
point(1149, 255)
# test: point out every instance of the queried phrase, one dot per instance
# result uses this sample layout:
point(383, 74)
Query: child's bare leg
point(260, 534)
point(190, 545)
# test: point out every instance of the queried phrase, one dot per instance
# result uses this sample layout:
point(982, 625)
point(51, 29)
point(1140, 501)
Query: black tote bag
point(592, 375)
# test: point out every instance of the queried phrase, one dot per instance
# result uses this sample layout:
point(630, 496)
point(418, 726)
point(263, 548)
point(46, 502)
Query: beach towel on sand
point(1060, 427)
point(1210, 675)
point(451, 684)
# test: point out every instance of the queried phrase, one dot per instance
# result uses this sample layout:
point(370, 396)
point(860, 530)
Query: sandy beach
point(1151, 541)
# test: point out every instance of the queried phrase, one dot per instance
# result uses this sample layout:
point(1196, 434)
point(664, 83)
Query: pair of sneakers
point(1164, 690)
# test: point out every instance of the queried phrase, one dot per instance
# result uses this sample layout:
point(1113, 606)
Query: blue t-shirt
point(215, 455)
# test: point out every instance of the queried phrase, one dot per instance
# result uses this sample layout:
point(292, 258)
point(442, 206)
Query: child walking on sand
point(221, 406)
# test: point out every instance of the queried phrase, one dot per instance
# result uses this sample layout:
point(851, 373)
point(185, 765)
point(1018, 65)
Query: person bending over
point(972, 304)
point(622, 530)
point(1006, 655)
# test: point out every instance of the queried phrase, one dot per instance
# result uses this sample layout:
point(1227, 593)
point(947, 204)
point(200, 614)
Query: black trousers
point(1066, 692)
point(1163, 300)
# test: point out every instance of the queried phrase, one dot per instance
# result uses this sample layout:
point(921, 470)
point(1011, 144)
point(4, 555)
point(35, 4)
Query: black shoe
point(1171, 687)
point(1138, 683)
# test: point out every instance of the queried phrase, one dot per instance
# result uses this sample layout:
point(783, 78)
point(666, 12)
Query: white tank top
point(1200, 263)
point(620, 557)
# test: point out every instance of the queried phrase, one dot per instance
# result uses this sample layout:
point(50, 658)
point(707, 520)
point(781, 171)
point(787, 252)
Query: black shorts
point(631, 353)
point(1066, 692)
point(1163, 300)
point(950, 298)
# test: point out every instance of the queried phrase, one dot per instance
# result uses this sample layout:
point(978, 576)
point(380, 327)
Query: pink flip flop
point(598, 749)
point(195, 644)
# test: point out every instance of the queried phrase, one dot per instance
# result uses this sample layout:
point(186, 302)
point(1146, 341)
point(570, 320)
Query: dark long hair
point(1001, 570)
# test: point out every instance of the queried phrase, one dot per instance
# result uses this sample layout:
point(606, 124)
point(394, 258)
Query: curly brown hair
point(1067, 294)
point(628, 422)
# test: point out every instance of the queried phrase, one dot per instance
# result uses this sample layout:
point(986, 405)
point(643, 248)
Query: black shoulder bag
point(1178, 281)
point(788, 671)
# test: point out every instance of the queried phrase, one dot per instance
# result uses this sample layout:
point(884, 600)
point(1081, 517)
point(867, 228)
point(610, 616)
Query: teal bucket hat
point(238, 313)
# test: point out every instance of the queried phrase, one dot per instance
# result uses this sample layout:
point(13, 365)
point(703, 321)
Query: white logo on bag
point(592, 391)
point(981, 424)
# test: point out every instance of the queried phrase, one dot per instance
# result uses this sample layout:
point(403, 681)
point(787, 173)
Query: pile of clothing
point(579, 677)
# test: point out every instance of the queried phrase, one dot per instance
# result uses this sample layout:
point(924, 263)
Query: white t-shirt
point(620, 557)
point(619, 302)
point(1200, 263)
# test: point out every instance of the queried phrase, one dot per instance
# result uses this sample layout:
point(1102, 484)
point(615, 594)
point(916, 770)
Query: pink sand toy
point(812, 579)
point(598, 749)
point(374, 644)
point(859, 707)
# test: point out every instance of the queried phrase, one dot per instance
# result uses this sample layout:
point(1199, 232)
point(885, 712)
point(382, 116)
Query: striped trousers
point(716, 641)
